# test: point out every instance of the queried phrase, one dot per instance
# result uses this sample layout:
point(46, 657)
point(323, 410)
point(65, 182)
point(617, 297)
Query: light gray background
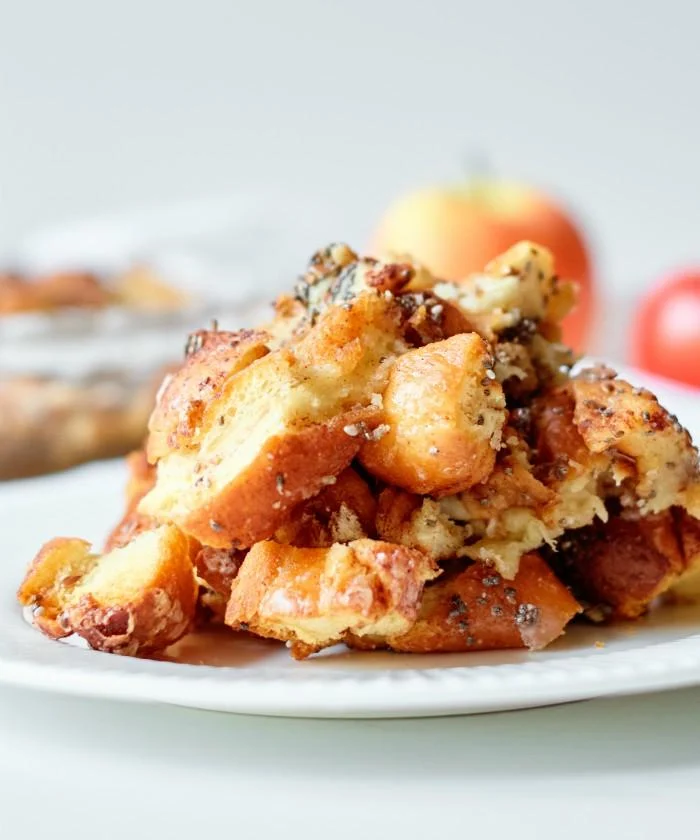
point(105, 106)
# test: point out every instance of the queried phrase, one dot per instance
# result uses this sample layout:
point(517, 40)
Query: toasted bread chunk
point(311, 597)
point(188, 400)
point(442, 419)
point(136, 599)
point(288, 423)
point(476, 609)
point(566, 466)
point(50, 579)
point(614, 417)
point(518, 285)
point(343, 511)
point(619, 567)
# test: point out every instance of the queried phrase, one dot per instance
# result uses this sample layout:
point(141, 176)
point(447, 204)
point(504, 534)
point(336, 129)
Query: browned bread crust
point(476, 609)
point(48, 582)
point(188, 398)
point(621, 566)
point(312, 597)
point(285, 425)
point(137, 599)
point(442, 417)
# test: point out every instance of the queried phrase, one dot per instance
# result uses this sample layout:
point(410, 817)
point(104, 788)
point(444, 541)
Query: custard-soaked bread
point(476, 609)
point(284, 426)
point(614, 417)
point(620, 566)
point(343, 511)
point(517, 304)
point(312, 597)
point(442, 418)
point(419, 522)
point(132, 600)
point(510, 513)
point(188, 400)
point(599, 437)
point(518, 285)
point(49, 580)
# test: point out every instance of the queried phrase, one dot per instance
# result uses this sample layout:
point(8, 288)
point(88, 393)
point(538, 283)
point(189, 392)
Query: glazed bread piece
point(615, 417)
point(442, 417)
point(312, 597)
point(517, 304)
point(620, 566)
point(137, 599)
point(282, 428)
point(476, 609)
point(599, 437)
point(49, 580)
point(188, 399)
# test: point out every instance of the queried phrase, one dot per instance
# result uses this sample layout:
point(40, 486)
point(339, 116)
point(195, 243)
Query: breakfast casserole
point(390, 462)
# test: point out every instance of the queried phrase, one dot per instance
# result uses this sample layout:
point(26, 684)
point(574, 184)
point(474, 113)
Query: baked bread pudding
point(395, 462)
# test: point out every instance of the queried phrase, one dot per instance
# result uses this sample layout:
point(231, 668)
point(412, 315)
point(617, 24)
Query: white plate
point(238, 674)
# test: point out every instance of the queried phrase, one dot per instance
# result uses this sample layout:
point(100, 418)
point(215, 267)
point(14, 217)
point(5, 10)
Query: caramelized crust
point(133, 600)
point(476, 609)
point(289, 423)
point(616, 418)
point(188, 401)
point(311, 597)
point(621, 566)
point(49, 580)
point(442, 419)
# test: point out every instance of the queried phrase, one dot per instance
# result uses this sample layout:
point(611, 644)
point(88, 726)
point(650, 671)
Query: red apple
point(456, 231)
point(666, 334)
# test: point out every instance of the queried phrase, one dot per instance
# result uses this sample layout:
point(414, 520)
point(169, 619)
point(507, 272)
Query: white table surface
point(623, 768)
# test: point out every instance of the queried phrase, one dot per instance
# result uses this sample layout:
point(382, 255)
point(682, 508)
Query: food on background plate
point(392, 461)
point(48, 423)
point(82, 355)
point(455, 230)
point(666, 332)
point(137, 288)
